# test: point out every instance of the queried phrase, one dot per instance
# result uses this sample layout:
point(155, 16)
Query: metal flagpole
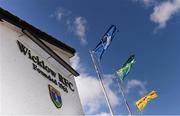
point(139, 112)
point(100, 80)
point(125, 101)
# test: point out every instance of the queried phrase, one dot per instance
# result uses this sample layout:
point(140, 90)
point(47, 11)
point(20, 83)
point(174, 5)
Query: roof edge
point(7, 16)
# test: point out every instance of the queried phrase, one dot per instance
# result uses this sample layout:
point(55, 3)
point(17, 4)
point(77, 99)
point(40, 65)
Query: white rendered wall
point(22, 89)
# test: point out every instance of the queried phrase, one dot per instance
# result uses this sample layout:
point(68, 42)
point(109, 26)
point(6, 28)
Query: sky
point(147, 28)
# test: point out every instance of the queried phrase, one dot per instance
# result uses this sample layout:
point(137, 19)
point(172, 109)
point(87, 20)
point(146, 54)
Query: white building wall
point(64, 55)
point(22, 89)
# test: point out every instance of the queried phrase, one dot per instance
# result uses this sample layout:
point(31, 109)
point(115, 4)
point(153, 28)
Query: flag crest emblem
point(55, 96)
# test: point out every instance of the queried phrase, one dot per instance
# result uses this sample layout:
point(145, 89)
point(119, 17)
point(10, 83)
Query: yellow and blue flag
point(105, 42)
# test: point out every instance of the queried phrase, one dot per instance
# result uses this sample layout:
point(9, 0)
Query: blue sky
point(147, 28)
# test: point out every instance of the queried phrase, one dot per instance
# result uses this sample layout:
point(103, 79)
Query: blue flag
point(105, 41)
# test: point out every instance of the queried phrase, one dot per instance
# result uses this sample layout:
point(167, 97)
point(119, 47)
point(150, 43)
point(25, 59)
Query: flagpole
point(97, 68)
point(139, 112)
point(125, 101)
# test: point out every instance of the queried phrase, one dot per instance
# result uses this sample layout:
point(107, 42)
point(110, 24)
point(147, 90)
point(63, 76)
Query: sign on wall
point(38, 64)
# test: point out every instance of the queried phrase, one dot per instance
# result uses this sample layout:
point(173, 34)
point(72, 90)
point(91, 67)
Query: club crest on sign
point(55, 96)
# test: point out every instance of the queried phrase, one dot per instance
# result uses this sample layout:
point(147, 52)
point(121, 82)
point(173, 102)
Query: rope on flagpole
point(120, 84)
point(100, 80)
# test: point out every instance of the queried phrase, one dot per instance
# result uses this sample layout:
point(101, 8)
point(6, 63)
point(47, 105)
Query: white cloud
point(164, 12)
point(80, 29)
point(77, 25)
point(104, 114)
point(132, 84)
point(145, 2)
point(90, 91)
point(111, 94)
point(75, 62)
point(61, 13)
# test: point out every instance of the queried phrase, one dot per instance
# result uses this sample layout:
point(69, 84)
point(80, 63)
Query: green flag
point(124, 70)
